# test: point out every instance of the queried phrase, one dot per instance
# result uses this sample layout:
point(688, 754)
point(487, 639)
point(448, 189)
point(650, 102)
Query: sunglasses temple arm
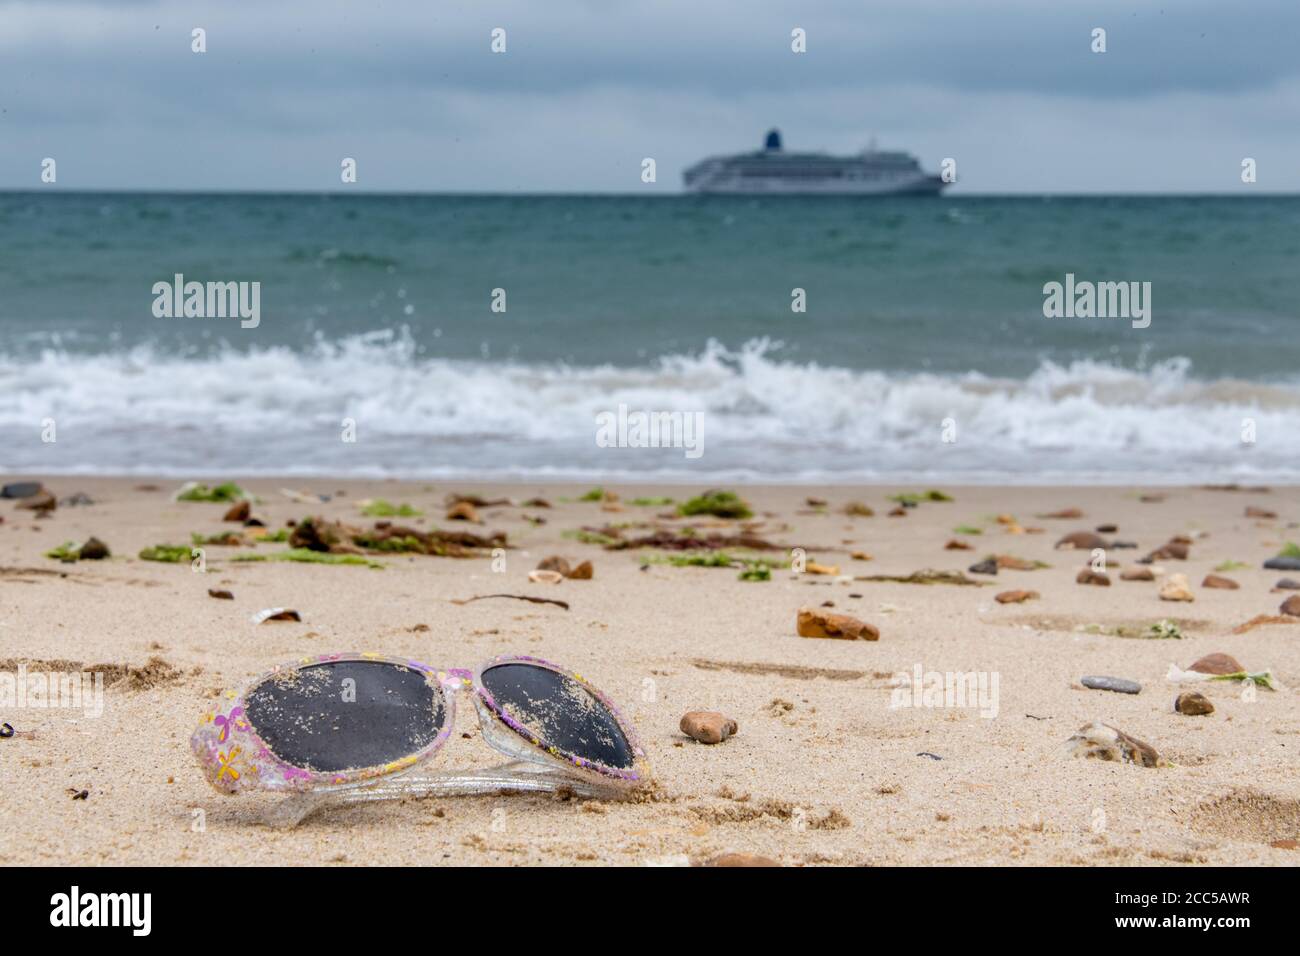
point(514, 775)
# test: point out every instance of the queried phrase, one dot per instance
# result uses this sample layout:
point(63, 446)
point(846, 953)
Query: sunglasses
point(348, 728)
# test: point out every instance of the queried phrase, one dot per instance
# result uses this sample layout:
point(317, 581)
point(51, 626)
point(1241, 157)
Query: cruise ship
point(772, 170)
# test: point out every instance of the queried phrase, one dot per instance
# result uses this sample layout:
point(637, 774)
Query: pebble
point(1287, 584)
point(1220, 582)
point(1089, 576)
point(1016, 597)
point(1282, 564)
point(1193, 704)
point(1217, 663)
point(812, 622)
point(708, 726)
point(988, 566)
point(956, 545)
point(1137, 574)
point(21, 489)
point(239, 511)
point(1176, 589)
point(1104, 742)
point(1119, 685)
point(1082, 541)
point(463, 511)
point(1291, 605)
point(93, 550)
point(220, 594)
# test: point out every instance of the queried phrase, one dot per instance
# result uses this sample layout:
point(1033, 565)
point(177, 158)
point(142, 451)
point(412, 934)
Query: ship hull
point(750, 186)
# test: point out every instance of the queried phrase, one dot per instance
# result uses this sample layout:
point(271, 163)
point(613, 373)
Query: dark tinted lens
point(559, 711)
point(346, 715)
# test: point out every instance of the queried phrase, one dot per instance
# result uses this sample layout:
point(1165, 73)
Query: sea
point(813, 339)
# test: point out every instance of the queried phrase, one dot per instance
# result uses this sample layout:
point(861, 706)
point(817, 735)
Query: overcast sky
point(587, 88)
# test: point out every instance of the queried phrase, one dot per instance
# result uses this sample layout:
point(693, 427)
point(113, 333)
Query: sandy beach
point(823, 769)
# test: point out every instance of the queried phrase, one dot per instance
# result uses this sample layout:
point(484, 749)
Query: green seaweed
point(596, 494)
point(589, 537)
point(1289, 550)
point(307, 556)
point(1231, 565)
point(967, 529)
point(650, 502)
point(720, 504)
point(916, 497)
point(227, 492)
point(756, 572)
point(68, 552)
point(167, 553)
point(379, 508)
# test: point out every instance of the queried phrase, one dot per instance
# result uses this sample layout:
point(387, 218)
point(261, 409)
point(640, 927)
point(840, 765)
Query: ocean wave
point(280, 411)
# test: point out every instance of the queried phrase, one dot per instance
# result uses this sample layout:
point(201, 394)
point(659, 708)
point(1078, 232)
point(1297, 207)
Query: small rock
point(1287, 584)
point(741, 859)
point(220, 595)
point(583, 572)
point(987, 566)
point(555, 563)
point(898, 512)
point(1253, 512)
point(812, 622)
point(1104, 742)
point(93, 550)
point(239, 511)
point(1193, 704)
point(1137, 574)
point(1064, 514)
point(1089, 576)
point(1107, 528)
point(545, 577)
point(1217, 663)
point(41, 501)
point(1119, 685)
point(21, 489)
point(1176, 589)
point(1291, 606)
point(1081, 541)
point(1219, 582)
point(463, 511)
point(708, 726)
point(1016, 597)
point(812, 567)
point(1282, 564)
point(860, 556)
point(858, 510)
point(957, 545)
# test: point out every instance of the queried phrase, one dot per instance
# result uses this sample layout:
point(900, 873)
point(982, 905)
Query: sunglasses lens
point(560, 712)
point(346, 715)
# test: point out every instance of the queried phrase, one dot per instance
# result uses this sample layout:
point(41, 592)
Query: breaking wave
point(279, 411)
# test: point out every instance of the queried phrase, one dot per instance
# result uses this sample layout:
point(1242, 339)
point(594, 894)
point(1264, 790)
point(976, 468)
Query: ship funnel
point(773, 140)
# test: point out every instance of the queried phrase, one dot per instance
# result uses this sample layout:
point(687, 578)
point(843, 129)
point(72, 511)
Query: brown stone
point(1082, 541)
point(957, 545)
point(1089, 576)
point(583, 572)
point(1016, 597)
point(1291, 606)
point(813, 622)
point(1137, 574)
point(1217, 663)
point(1064, 514)
point(1220, 582)
point(93, 550)
point(239, 511)
point(708, 726)
point(555, 563)
point(41, 501)
point(463, 511)
point(220, 595)
point(1104, 742)
point(1193, 704)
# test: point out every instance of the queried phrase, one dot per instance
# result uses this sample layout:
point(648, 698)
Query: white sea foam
point(276, 411)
